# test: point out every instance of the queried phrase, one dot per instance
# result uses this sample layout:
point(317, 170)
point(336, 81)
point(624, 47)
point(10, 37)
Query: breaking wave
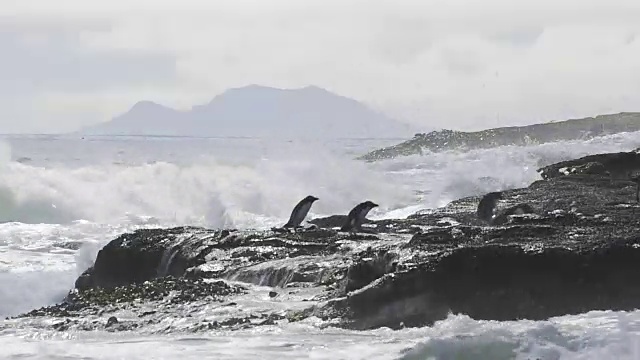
point(259, 191)
point(256, 193)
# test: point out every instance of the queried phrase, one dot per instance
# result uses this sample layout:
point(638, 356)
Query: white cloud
point(455, 63)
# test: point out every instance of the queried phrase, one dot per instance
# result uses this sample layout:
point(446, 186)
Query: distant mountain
point(576, 129)
point(258, 111)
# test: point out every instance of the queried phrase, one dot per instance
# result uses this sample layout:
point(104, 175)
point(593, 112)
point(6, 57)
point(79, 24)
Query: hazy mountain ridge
point(573, 129)
point(258, 111)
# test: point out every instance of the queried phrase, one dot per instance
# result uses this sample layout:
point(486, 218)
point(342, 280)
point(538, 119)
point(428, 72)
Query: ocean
point(62, 198)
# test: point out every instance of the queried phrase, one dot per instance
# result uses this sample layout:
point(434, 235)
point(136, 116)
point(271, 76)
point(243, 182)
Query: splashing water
point(65, 199)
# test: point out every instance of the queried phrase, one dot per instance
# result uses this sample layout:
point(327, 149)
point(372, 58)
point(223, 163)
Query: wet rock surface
point(622, 165)
point(578, 250)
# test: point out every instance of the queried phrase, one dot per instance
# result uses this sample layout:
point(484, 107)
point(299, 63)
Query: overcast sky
point(462, 64)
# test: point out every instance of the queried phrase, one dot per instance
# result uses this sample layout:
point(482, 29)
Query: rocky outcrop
point(577, 129)
point(499, 282)
point(152, 253)
point(622, 165)
point(149, 253)
point(578, 249)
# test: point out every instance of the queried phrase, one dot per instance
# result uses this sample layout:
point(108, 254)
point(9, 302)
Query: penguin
point(357, 216)
point(487, 204)
point(300, 212)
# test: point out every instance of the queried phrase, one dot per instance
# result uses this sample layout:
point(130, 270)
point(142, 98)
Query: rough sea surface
point(62, 198)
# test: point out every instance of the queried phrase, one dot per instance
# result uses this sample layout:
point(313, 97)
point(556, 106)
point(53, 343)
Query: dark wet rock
point(146, 254)
point(578, 250)
point(114, 325)
point(499, 282)
point(369, 268)
point(505, 215)
point(111, 321)
point(329, 221)
point(272, 294)
point(179, 252)
point(62, 325)
point(617, 165)
point(71, 245)
point(563, 245)
point(169, 289)
point(238, 323)
point(334, 221)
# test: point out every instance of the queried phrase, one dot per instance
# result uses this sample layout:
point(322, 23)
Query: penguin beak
point(373, 204)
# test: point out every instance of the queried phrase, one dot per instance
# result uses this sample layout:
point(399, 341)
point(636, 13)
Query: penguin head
point(311, 198)
point(369, 204)
point(496, 195)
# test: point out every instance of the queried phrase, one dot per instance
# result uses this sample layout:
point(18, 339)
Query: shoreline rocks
point(578, 250)
point(554, 131)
